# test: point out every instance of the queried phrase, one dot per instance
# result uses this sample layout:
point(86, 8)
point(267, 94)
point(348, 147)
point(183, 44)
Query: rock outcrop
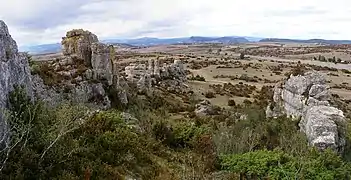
point(97, 57)
point(92, 94)
point(171, 77)
point(78, 43)
point(14, 70)
point(82, 74)
point(306, 98)
point(102, 61)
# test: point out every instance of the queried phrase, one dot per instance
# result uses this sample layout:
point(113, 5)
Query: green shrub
point(298, 70)
point(276, 164)
point(231, 102)
point(64, 142)
point(242, 56)
point(210, 94)
point(178, 135)
point(197, 78)
point(257, 133)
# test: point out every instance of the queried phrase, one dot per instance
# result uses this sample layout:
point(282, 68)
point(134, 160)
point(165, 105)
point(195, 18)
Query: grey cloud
point(52, 15)
point(306, 10)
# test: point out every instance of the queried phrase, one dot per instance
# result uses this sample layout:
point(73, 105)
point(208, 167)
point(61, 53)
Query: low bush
point(197, 78)
point(231, 102)
point(276, 164)
point(210, 94)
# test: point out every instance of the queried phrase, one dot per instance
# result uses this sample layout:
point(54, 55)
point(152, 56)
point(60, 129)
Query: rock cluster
point(84, 70)
point(14, 70)
point(306, 98)
point(170, 76)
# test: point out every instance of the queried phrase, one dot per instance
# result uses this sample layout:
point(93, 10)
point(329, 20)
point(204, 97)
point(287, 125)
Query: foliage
point(178, 135)
point(256, 133)
point(242, 56)
point(67, 143)
point(74, 142)
point(210, 94)
point(231, 102)
point(276, 164)
point(298, 70)
point(197, 78)
point(47, 73)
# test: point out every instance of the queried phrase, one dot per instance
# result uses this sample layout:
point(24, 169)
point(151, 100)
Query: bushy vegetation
point(242, 56)
point(276, 164)
point(210, 94)
point(197, 78)
point(331, 59)
point(300, 69)
point(72, 141)
point(47, 73)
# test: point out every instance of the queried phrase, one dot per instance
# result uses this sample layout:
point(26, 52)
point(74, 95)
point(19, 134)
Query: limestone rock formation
point(306, 98)
point(78, 43)
point(14, 70)
point(171, 77)
point(82, 74)
point(97, 57)
point(92, 94)
point(101, 61)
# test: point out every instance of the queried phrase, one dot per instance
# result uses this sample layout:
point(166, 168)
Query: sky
point(46, 21)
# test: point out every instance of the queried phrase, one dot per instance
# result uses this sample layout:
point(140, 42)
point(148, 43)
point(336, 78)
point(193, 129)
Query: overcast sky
point(46, 21)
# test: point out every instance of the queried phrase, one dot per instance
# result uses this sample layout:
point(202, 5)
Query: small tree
point(242, 56)
point(231, 102)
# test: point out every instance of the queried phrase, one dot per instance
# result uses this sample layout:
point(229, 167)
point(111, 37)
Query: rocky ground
point(227, 75)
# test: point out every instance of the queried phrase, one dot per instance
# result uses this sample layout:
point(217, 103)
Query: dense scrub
point(74, 142)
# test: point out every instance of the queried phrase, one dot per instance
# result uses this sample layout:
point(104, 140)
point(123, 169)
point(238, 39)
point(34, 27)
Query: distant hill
point(147, 41)
point(54, 48)
point(226, 40)
point(42, 49)
point(321, 41)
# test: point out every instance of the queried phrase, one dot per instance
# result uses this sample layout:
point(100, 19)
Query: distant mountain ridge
point(320, 41)
point(146, 41)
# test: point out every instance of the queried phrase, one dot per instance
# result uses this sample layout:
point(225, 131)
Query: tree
point(242, 56)
point(338, 60)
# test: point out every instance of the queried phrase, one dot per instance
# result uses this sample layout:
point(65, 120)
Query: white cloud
point(43, 21)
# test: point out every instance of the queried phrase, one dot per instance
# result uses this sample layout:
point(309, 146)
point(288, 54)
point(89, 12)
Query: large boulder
point(319, 123)
point(205, 108)
point(14, 70)
point(306, 98)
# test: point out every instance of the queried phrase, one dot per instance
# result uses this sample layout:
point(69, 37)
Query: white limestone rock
point(14, 70)
point(306, 97)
